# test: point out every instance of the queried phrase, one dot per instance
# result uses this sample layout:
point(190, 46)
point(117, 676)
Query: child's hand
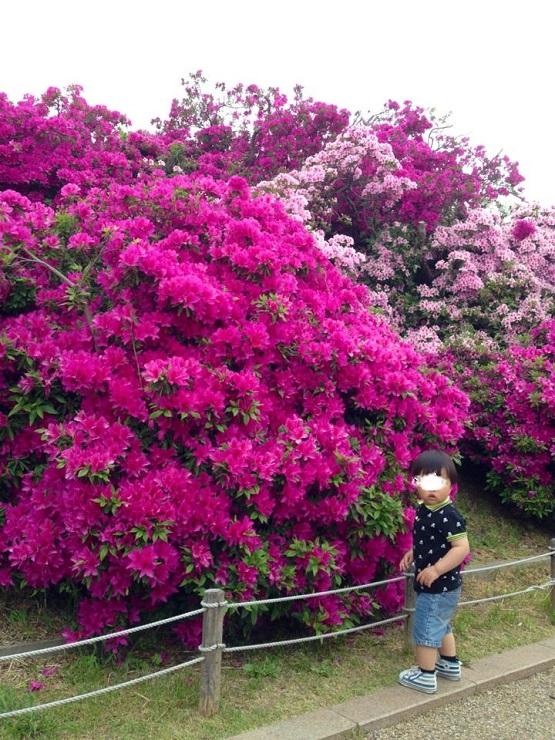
point(406, 561)
point(427, 576)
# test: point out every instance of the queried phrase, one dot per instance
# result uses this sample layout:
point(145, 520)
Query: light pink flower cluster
point(355, 166)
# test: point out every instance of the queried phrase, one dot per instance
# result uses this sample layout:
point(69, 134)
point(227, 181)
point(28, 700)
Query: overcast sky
point(489, 62)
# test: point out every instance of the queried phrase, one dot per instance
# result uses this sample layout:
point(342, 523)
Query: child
point(440, 544)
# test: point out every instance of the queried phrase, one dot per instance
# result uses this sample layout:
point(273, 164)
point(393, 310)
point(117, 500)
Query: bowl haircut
point(434, 461)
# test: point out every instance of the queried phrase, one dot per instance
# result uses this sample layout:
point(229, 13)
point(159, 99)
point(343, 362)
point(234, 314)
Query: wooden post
point(552, 548)
point(211, 648)
point(410, 604)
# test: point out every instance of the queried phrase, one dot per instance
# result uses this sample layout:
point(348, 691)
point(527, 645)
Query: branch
point(56, 272)
point(65, 279)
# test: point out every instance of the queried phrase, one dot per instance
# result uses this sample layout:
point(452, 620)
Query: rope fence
point(100, 638)
point(317, 594)
point(508, 564)
point(542, 587)
point(214, 608)
point(337, 633)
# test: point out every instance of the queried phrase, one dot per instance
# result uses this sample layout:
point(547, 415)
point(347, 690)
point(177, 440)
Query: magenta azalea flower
point(522, 229)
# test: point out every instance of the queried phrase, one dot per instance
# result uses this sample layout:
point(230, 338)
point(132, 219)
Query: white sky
point(489, 62)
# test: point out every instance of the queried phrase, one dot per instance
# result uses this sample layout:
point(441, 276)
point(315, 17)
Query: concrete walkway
point(389, 706)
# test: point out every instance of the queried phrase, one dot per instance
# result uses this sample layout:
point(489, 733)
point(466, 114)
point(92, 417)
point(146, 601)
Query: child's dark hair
point(434, 461)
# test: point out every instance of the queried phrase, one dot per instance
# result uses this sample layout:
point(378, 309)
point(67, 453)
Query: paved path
point(512, 711)
point(489, 689)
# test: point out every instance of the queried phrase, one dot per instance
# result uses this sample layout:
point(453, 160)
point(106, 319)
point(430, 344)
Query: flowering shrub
point(245, 130)
point(60, 139)
point(193, 396)
point(373, 194)
point(452, 176)
point(480, 281)
point(498, 276)
point(487, 300)
point(512, 418)
point(482, 286)
point(352, 183)
point(488, 297)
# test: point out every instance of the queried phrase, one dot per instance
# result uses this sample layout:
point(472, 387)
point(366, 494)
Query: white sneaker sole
point(424, 689)
point(448, 677)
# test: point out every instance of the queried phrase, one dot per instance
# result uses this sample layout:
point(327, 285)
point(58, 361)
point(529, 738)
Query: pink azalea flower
point(50, 671)
point(143, 561)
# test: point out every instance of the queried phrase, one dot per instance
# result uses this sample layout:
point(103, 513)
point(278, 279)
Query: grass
point(261, 687)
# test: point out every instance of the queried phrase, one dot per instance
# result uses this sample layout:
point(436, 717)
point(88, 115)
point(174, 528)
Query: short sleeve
point(453, 524)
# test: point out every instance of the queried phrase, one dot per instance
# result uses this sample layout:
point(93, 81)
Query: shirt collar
point(435, 507)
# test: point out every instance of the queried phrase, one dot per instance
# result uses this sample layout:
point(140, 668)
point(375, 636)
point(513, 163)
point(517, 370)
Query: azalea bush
point(482, 316)
point(375, 197)
point(192, 396)
point(463, 278)
point(244, 130)
point(512, 417)
point(60, 139)
point(452, 175)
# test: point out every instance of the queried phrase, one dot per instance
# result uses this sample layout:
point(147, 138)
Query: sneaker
point(415, 679)
point(449, 670)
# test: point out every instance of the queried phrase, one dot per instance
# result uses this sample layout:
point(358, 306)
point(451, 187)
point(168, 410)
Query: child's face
point(432, 489)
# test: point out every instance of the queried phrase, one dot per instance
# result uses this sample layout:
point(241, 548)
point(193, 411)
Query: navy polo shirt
point(434, 528)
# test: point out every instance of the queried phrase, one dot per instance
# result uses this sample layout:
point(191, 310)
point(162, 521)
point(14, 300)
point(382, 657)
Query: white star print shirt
point(434, 528)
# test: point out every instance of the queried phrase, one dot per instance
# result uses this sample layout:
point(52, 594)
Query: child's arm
point(407, 560)
point(457, 553)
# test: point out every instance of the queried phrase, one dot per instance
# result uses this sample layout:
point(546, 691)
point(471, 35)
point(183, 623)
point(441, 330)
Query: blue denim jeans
point(432, 616)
